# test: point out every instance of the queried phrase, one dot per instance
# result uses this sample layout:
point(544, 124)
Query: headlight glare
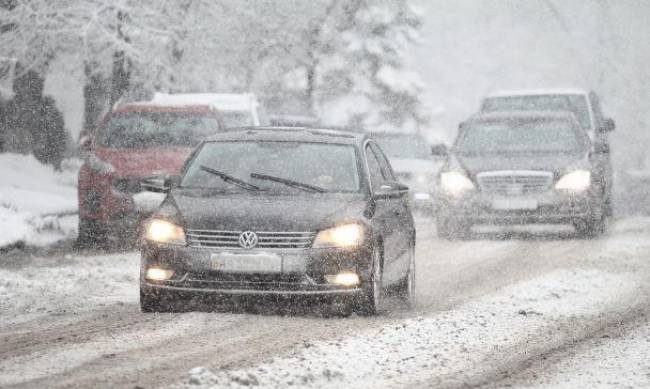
point(346, 235)
point(574, 182)
point(162, 231)
point(455, 183)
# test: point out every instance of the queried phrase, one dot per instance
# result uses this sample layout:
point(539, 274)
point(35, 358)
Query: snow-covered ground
point(486, 306)
point(33, 197)
point(445, 345)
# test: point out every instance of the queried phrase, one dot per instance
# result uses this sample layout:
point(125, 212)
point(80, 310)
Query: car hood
point(544, 162)
point(140, 163)
point(259, 212)
point(412, 165)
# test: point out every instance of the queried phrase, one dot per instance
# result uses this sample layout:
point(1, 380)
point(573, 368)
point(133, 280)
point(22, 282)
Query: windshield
point(237, 118)
point(577, 104)
point(141, 130)
point(290, 166)
point(555, 136)
point(403, 146)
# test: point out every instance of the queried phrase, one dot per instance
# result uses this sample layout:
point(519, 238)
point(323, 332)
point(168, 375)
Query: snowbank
point(446, 346)
point(33, 198)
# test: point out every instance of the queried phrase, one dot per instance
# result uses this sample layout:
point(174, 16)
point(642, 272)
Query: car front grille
point(514, 183)
point(265, 239)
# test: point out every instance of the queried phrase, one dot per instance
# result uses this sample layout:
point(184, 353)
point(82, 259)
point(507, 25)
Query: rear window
point(577, 104)
point(141, 130)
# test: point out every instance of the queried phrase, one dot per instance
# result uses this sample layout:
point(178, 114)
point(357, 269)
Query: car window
point(577, 104)
point(237, 118)
point(332, 167)
point(403, 146)
point(384, 165)
point(139, 130)
point(374, 169)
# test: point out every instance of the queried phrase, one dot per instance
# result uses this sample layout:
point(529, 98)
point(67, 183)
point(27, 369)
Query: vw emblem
point(248, 239)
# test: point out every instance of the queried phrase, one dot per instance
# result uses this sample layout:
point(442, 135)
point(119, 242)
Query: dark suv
point(586, 107)
point(520, 168)
point(279, 211)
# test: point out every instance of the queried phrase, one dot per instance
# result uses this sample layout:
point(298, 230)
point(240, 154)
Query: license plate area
point(514, 204)
point(246, 263)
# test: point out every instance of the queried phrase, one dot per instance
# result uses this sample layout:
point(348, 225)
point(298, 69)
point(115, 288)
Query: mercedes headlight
point(455, 183)
point(163, 231)
point(574, 182)
point(346, 235)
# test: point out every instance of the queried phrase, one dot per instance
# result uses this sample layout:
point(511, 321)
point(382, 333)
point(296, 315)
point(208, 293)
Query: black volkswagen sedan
point(281, 211)
point(521, 168)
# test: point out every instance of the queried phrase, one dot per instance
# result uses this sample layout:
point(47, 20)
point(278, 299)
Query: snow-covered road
point(522, 308)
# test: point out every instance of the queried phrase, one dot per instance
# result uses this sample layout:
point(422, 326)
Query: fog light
point(422, 196)
point(158, 274)
point(347, 279)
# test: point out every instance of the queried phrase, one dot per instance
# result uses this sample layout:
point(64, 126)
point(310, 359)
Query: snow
point(72, 283)
point(603, 362)
point(33, 196)
point(148, 202)
point(223, 101)
point(445, 345)
point(400, 80)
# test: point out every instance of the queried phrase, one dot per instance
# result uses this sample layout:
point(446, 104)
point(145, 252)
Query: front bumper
point(303, 271)
point(551, 207)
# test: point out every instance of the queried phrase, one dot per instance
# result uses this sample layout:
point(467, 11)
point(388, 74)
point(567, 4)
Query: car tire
point(592, 227)
point(406, 289)
point(451, 229)
point(92, 234)
point(151, 301)
point(372, 290)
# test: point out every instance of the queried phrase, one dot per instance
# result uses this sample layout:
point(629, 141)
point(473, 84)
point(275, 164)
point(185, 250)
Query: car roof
point(521, 115)
point(395, 134)
point(538, 92)
point(151, 107)
point(288, 134)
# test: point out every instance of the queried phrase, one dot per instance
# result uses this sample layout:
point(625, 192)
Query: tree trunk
point(94, 98)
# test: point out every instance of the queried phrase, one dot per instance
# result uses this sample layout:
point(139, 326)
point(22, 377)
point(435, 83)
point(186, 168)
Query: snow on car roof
point(222, 101)
point(538, 92)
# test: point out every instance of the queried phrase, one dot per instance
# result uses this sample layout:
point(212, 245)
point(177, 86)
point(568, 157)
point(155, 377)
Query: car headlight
point(346, 235)
point(162, 231)
point(576, 181)
point(455, 183)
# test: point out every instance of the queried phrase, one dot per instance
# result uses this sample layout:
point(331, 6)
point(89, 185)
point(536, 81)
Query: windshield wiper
point(292, 183)
point(230, 179)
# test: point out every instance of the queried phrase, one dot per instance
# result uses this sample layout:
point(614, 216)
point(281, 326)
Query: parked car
point(280, 211)
point(520, 168)
point(410, 156)
point(585, 105)
point(133, 143)
point(237, 109)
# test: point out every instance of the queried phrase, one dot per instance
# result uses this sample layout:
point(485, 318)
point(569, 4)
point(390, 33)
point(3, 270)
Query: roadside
point(38, 205)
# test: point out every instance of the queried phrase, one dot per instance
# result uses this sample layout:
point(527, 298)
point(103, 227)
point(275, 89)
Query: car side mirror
point(609, 125)
point(86, 143)
point(159, 184)
point(439, 150)
point(390, 189)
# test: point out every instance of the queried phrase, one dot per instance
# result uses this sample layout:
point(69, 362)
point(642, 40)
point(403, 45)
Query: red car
point(134, 143)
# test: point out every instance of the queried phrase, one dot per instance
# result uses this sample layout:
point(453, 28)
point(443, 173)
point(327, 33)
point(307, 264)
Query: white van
point(237, 109)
